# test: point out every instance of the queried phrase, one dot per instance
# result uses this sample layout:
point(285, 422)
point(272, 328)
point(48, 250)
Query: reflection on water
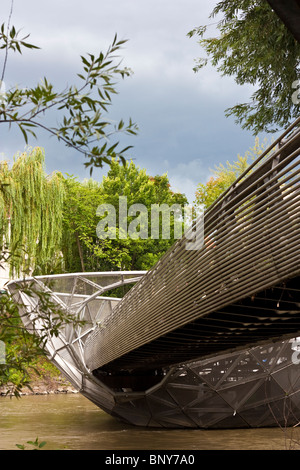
point(72, 422)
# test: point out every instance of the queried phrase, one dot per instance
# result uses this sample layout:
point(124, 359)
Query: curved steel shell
point(255, 387)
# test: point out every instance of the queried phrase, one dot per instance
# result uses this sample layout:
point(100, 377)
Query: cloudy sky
point(180, 114)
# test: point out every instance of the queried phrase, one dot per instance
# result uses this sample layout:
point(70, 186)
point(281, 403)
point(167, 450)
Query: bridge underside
point(273, 313)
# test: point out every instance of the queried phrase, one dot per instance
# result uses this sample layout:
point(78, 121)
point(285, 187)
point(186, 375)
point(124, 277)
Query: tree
point(122, 252)
point(23, 350)
point(82, 108)
point(257, 49)
point(79, 224)
point(225, 175)
point(141, 251)
point(31, 205)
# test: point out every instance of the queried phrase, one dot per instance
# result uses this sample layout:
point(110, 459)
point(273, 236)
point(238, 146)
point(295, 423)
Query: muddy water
point(72, 422)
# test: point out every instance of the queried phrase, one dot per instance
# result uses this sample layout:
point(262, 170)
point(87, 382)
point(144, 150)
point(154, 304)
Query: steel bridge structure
point(208, 337)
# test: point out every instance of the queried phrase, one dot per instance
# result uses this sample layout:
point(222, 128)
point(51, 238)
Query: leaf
point(20, 446)
point(12, 32)
point(24, 133)
point(85, 61)
point(33, 443)
point(29, 46)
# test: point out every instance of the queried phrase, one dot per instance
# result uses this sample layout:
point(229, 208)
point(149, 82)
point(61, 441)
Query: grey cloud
point(180, 114)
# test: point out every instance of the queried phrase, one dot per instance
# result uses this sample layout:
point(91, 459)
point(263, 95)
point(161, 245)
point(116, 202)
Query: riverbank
point(40, 387)
point(47, 381)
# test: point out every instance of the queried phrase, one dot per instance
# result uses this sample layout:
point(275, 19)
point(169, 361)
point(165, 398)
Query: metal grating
point(251, 245)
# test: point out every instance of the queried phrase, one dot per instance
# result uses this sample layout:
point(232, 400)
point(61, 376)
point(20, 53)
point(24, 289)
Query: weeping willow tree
point(31, 210)
point(31, 206)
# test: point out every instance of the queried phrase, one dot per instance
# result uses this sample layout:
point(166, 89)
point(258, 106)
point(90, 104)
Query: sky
point(183, 130)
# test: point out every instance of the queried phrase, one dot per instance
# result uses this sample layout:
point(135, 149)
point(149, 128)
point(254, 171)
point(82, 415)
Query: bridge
point(208, 336)
point(239, 287)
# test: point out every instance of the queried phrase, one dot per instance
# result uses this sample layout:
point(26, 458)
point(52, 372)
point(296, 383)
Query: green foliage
point(83, 249)
point(224, 176)
point(31, 204)
point(138, 187)
point(257, 49)
point(22, 349)
point(81, 109)
point(79, 224)
point(34, 445)
point(11, 40)
point(49, 221)
point(46, 369)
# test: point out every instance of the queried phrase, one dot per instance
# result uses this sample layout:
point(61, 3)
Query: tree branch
point(6, 49)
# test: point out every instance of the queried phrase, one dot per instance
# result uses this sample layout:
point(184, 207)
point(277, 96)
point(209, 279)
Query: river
point(70, 421)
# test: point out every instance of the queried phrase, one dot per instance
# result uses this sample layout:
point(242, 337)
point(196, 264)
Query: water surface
point(73, 422)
